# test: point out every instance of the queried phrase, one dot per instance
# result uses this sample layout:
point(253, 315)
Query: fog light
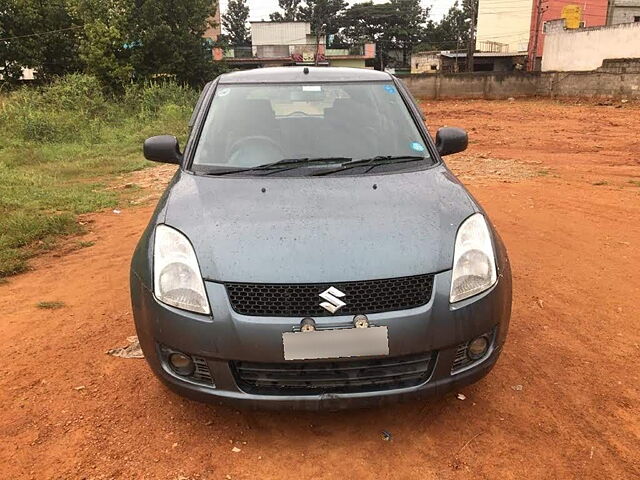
point(181, 364)
point(478, 347)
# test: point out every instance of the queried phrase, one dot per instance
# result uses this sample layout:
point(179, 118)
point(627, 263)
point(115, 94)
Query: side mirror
point(451, 140)
point(163, 149)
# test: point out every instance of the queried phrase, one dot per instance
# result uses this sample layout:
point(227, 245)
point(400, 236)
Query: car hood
point(320, 229)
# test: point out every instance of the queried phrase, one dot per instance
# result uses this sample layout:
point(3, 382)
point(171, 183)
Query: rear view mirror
point(451, 140)
point(163, 149)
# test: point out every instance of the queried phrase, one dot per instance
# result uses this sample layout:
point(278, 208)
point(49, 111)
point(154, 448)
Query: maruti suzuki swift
point(313, 250)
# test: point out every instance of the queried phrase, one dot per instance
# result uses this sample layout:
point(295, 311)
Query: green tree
point(105, 44)
point(166, 39)
point(58, 50)
point(114, 40)
point(235, 21)
point(290, 11)
point(323, 16)
point(37, 34)
point(369, 22)
point(17, 50)
point(452, 32)
point(395, 25)
point(407, 26)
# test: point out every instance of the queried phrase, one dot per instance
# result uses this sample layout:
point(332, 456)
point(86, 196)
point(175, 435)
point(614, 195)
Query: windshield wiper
point(282, 165)
point(372, 163)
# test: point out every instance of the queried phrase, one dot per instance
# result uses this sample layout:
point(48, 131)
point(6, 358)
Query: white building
point(281, 39)
point(586, 49)
point(504, 26)
point(282, 33)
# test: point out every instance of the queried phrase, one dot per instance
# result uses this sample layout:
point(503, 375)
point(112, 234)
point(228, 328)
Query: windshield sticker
point(390, 89)
point(311, 88)
point(224, 92)
point(417, 146)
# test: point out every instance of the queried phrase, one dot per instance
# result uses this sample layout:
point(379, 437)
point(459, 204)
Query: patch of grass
point(543, 173)
point(50, 305)
point(59, 149)
point(86, 244)
point(12, 262)
point(4, 281)
point(635, 182)
point(600, 183)
point(24, 234)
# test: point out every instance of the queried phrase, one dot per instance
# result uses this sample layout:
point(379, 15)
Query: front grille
point(302, 300)
point(308, 378)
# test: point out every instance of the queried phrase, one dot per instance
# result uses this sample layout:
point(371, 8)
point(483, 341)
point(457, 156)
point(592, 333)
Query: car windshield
point(250, 126)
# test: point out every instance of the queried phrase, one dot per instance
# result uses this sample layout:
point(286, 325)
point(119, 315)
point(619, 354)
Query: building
point(503, 26)
point(517, 26)
point(276, 44)
point(591, 14)
point(285, 40)
point(623, 11)
point(215, 25)
point(456, 61)
point(426, 62)
point(588, 49)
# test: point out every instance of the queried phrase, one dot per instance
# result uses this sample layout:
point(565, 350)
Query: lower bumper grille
point(202, 374)
point(300, 378)
point(461, 359)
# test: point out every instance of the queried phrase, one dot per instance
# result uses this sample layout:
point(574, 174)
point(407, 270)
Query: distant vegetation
point(59, 146)
point(117, 41)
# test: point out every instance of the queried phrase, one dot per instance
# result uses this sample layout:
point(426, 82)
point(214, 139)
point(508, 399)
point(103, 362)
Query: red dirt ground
point(562, 184)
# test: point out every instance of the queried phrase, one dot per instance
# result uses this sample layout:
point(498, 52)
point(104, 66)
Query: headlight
point(474, 264)
point(176, 276)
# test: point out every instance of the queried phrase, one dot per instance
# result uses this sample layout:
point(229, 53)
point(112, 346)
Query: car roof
point(298, 75)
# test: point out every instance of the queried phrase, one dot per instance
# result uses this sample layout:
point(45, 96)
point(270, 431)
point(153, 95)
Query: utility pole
point(471, 46)
point(533, 41)
point(316, 60)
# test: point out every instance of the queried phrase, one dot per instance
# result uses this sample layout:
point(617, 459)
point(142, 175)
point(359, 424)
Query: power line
point(75, 27)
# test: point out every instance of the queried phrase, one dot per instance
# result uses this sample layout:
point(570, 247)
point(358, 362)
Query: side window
point(192, 121)
point(196, 109)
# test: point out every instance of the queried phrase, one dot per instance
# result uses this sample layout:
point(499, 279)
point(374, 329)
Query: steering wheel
point(254, 151)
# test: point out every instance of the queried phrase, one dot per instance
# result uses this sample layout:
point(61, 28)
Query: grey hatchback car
point(313, 251)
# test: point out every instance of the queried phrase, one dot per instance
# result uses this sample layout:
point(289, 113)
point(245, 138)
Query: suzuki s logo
point(332, 296)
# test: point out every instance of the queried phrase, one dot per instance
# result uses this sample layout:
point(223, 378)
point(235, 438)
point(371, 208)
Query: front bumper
point(437, 328)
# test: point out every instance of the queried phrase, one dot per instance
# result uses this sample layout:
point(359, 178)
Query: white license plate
point(342, 343)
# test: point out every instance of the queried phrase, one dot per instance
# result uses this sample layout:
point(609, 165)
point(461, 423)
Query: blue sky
point(260, 9)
